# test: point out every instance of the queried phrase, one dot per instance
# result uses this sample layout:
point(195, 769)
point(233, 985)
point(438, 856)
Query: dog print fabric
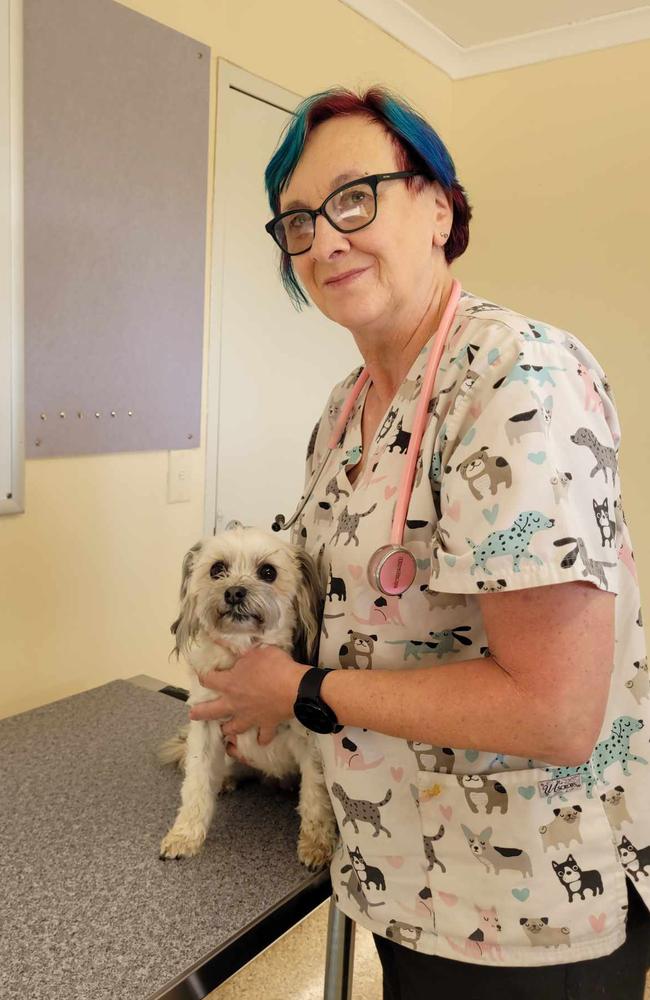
point(477, 856)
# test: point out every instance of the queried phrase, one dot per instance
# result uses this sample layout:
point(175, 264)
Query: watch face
point(313, 717)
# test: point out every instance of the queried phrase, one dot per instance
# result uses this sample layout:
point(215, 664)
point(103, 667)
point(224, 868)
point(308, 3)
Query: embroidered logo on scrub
point(558, 786)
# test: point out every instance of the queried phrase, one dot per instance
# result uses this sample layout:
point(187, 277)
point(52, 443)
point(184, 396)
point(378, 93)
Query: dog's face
point(248, 582)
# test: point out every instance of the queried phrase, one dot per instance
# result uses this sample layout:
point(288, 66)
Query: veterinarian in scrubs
point(490, 780)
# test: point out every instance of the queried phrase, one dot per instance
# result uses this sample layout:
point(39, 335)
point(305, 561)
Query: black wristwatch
point(309, 708)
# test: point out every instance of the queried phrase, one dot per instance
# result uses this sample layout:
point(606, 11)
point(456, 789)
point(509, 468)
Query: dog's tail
point(173, 751)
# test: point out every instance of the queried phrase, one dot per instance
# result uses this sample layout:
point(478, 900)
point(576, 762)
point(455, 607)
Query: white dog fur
point(241, 588)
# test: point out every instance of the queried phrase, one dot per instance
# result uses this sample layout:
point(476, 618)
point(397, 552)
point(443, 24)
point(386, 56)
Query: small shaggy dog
point(241, 588)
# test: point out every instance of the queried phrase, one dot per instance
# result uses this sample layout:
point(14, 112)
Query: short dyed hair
point(417, 147)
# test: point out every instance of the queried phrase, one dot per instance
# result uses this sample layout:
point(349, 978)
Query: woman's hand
point(257, 692)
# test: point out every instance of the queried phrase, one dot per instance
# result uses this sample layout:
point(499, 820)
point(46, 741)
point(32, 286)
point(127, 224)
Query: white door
point(271, 367)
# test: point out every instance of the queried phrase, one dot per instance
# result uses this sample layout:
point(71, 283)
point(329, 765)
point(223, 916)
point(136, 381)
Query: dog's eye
point(218, 569)
point(267, 572)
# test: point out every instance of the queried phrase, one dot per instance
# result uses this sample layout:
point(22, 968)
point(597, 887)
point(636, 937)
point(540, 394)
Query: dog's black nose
point(235, 595)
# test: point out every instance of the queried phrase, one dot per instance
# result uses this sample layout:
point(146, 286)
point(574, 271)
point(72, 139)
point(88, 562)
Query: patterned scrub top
point(476, 856)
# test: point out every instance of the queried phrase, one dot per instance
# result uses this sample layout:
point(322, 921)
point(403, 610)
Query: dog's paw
point(315, 848)
point(181, 843)
point(230, 784)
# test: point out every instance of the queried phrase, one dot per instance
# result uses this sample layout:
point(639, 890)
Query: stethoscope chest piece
point(392, 570)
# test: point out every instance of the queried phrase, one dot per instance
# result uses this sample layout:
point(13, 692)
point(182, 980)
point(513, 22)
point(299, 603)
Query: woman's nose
point(327, 239)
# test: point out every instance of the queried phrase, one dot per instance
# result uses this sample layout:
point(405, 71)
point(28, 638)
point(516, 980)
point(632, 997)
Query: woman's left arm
point(541, 693)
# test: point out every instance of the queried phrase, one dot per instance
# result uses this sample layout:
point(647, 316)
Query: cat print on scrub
point(563, 829)
point(401, 439)
point(348, 524)
point(497, 859)
point(483, 941)
point(355, 891)
point(592, 396)
point(361, 810)
point(430, 851)
point(383, 611)
point(336, 491)
point(348, 755)
point(387, 424)
point(369, 876)
point(336, 588)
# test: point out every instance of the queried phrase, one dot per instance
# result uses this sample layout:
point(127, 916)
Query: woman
point(490, 780)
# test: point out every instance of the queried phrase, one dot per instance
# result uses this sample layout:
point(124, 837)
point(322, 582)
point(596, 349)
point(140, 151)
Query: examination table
point(87, 909)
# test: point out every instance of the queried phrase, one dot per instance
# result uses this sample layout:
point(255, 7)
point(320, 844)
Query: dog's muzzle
point(237, 608)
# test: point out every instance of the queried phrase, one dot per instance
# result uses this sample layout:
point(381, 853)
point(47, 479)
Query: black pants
point(410, 975)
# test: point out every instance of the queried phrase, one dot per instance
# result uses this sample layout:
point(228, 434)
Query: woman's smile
point(347, 278)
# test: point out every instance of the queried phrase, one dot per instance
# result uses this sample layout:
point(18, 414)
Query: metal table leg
point(339, 958)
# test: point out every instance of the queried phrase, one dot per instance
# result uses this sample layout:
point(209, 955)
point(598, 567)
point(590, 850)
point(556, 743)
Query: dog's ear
point(308, 604)
point(186, 625)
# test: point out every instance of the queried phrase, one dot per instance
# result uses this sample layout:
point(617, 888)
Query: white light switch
point(179, 476)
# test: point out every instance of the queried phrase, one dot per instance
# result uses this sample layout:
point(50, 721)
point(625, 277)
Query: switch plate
point(179, 476)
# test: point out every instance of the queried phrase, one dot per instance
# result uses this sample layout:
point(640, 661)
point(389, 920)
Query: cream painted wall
point(556, 160)
point(89, 575)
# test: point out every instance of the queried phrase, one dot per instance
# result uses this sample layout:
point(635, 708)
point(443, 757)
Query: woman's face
point(400, 264)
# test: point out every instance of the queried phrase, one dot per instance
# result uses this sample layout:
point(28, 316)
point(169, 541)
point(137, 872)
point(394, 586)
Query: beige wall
point(556, 164)
point(89, 575)
point(556, 160)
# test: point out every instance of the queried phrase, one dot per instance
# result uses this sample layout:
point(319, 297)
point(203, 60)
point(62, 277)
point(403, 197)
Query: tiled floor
point(292, 969)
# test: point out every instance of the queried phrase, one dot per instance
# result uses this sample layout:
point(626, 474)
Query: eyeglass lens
point(347, 210)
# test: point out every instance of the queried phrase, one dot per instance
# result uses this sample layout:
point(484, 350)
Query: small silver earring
point(444, 235)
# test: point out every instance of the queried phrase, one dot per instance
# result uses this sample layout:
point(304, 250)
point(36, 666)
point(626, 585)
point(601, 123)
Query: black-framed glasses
point(351, 207)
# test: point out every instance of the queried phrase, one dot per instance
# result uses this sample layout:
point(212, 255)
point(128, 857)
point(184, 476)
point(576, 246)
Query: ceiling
point(469, 37)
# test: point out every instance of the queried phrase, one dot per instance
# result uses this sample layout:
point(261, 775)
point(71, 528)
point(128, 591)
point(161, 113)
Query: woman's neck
point(389, 358)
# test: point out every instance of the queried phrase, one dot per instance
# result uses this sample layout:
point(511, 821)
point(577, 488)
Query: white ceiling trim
point(412, 29)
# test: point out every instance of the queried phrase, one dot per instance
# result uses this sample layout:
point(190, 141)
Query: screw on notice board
point(37, 442)
point(9, 496)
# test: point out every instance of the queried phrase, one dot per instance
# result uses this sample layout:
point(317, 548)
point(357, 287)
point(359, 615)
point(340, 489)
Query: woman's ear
point(186, 625)
point(308, 604)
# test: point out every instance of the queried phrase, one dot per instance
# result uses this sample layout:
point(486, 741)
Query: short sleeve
point(529, 490)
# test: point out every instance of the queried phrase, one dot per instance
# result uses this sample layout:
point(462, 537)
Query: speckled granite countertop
point(87, 909)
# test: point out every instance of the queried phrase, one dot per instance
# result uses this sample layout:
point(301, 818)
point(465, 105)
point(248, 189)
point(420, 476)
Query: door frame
point(229, 78)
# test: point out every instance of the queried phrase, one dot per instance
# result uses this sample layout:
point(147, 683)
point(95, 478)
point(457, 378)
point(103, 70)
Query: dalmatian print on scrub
point(475, 855)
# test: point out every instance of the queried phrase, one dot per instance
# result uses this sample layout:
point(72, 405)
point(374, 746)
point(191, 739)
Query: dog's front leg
point(205, 769)
point(318, 831)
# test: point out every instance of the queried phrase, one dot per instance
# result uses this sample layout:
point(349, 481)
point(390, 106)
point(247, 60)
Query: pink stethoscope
point(392, 568)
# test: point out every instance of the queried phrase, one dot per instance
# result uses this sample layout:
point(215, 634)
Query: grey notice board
point(116, 127)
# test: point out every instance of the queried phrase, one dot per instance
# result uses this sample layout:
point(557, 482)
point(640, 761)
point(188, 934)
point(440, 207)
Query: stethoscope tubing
point(408, 473)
